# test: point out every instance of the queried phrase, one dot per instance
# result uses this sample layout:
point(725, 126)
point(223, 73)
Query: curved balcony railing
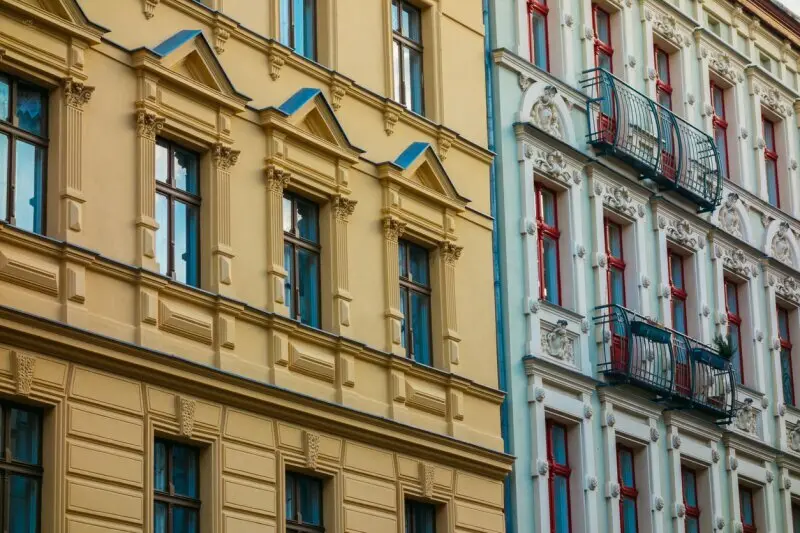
point(662, 146)
point(679, 369)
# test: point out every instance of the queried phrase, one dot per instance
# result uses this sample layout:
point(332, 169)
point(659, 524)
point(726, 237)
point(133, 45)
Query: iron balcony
point(660, 145)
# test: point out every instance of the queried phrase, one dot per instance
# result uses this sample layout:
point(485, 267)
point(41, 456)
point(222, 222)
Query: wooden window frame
point(558, 470)
point(296, 242)
point(614, 262)
point(786, 344)
point(663, 86)
point(771, 157)
point(170, 499)
point(14, 133)
point(293, 23)
point(676, 292)
point(602, 47)
point(546, 230)
point(172, 193)
point(413, 287)
point(747, 528)
point(720, 122)
point(540, 7)
point(629, 492)
point(692, 511)
point(404, 42)
point(735, 318)
point(292, 525)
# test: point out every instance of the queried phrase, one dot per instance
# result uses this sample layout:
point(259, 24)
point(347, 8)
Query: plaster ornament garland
point(553, 165)
point(721, 63)
point(780, 248)
point(24, 368)
point(186, 413)
point(667, 26)
point(427, 476)
point(556, 343)
point(788, 288)
point(771, 98)
point(544, 114)
point(728, 216)
point(619, 199)
point(680, 231)
point(736, 261)
point(311, 446)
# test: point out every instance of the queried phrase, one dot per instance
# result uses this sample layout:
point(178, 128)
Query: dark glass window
point(176, 488)
point(663, 79)
point(20, 468)
point(734, 327)
point(301, 251)
point(299, 26)
point(787, 374)
point(178, 213)
point(549, 234)
point(23, 153)
point(626, 474)
point(747, 509)
point(720, 126)
point(538, 33)
point(603, 49)
point(420, 517)
point(415, 301)
point(558, 457)
point(407, 55)
point(690, 500)
point(795, 518)
point(679, 295)
point(616, 263)
point(771, 162)
point(303, 504)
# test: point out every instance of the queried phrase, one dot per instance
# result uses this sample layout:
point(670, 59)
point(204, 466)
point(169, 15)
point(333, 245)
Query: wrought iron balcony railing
point(680, 370)
point(663, 147)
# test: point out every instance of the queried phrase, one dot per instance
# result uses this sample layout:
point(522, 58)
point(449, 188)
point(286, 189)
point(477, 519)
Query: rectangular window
point(23, 153)
point(616, 263)
point(407, 55)
point(628, 493)
point(176, 490)
point(558, 457)
point(787, 375)
point(720, 123)
point(663, 79)
point(420, 517)
point(178, 213)
point(677, 285)
point(603, 49)
point(538, 36)
point(549, 234)
point(771, 161)
point(303, 504)
point(734, 327)
point(20, 468)
point(415, 301)
point(301, 257)
point(690, 500)
point(299, 26)
point(747, 509)
point(795, 518)
point(765, 61)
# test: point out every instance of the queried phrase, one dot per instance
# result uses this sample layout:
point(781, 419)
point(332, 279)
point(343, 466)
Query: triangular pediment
point(309, 111)
point(66, 14)
point(420, 165)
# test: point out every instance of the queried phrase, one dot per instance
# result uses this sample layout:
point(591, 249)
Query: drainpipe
point(498, 296)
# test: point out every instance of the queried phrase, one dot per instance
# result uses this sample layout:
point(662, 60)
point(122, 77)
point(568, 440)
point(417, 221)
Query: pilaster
point(449, 253)
point(343, 208)
point(276, 180)
point(393, 229)
point(148, 126)
point(223, 159)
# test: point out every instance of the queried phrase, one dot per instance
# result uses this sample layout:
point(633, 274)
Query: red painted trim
point(558, 470)
point(771, 156)
point(786, 344)
point(535, 6)
point(602, 47)
point(615, 263)
point(663, 86)
point(747, 493)
point(678, 293)
point(553, 232)
point(720, 122)
point(691, 511)
point(628, 492)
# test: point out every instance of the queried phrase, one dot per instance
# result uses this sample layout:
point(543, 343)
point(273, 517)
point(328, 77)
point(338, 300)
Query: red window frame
point(691, 511)
point(682, 370)
point(771, 156)
point(735, 318)
point(540, 7)
point(720, 122)
point(560, 470)
point(614, 263)
point(625, 491)
point(678, 293)
point(553, 232)
point(602, 47)
point(663, 86)
point(786, 344)
point(747, 493)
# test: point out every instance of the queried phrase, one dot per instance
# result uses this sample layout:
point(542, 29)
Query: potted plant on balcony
point(724, 347)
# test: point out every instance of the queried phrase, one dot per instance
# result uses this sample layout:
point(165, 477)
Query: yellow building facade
point(128, 328)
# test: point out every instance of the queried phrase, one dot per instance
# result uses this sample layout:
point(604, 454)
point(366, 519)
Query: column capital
point(343, 207)
point(148, 124)
point(277, 178)
point(224, 156)
point(76, 93)
point(393, 229)
point(451, 252)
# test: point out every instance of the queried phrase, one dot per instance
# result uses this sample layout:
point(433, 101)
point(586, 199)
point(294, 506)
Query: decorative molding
point(149, 8)
point(722, 64)
point(676, 441)
point(542, 467)
point(277, 178)
point(793, 438)
point(554, 165)
point(714, 456)
point(667, 27)
point(173, 320)
point(148, 124)
point(771, 98)
point(224, 156)
point(780, 248)
point(390, 119)
point(24, 272)
point(619, 198)
point(788, 288)
point(187, 408)
point(591, 483)
point(746, 419)
point(343, 207)
point(728, 217)
point(76, 94)
point(524, 82)
point(588, 411)
point(735, 261)
point(544, 114)
point(277, 59)
point(311, 364)
point(24, 368)
point(658, 503)
point(654, 434)
point(425, 400)
point(427, 476)
point(556, 343)
point(450, 251)
point(221, 36)
point(539, 394)
point(311, 449)
point(680, 231)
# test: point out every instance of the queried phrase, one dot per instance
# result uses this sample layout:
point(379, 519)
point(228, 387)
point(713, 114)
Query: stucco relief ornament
point(680, 510)
point(746, 418)
point(736, 261)
point(729, 218)
point(393, 229)
point(706, 310)
point(611, 420)
point(645, 282)
point(793, 438)
point(781, 249)
point(658, 503)
point(542, 467)
point(680, 231)
point(743, 133)
point(544, 114)
point(186, 412)
point(534, 306)
point(580, 251)
point(620, 199)
point(584, 326)
point(737, 527)
point(557, 343)
point(591, 483)
point(781, 409)
point(588, 32)
point(24, 367)
point(722, 64)
point(676, 442)
point(277, 178)
point(771, 97)
point(427, 476)
point(720, 523)
point(312, 449)
point(553, 165)
point(539, 394)
point(569, 20)
point(524, 82)
point(149, 8)
point(789, 289)
point(224, 156)
point(714, 456)
point(770, 476)
point(76, 94)
point(343, 207)
point(654, 434)
point(667, 26)
point(450, 251)
point(613, 490)
point(787, 483)
point(148, 124)
point(588, 411)
point(759, 335)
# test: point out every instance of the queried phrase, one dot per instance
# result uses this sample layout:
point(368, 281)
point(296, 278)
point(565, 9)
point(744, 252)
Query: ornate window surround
point(668, 30)
point(782, 287)
point(754, 464)
point(622, 31)
point(420, 203)
point(306, 123)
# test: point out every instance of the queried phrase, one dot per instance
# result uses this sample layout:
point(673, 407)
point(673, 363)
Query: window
point(795, 518)
point(415, 301)
point(20, 468)
point(787, 375)
point(558, 458)
point(677, 283)
point(690, 500)
point(747, 509)
point(420, 517)
point(549, 260)
point(23, 153)
point(301, 257)
point(714, 27)
point(177, 213)
point(407, 55)
point(177, 488)
point(771, 161)
point(539, 39)
point(720, 124)
point(603, 50)
point(303, 504)
point(663, 80)
point(616, 263)
point(299, 26)
point(765, 61)
point(734, 327)
point(628, 493)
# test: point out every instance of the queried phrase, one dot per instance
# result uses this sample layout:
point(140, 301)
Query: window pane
point(288, 264)
point(615, 240)
point(187, 227)
point(29, 195)
point(731, 298)
point(307, 220)
point(5, 99)
point(308, 279)
point(185, 170)
point(411, 23)
point(184, 520)
point(548, 207)
point(162, 234)
point(310, 490)
point(736, 360)
point(561, 504)
point(772, 182)
point(676, 271)
point(160, 518)
point(291, 507)
point(626, 468)
point(692, 525)
point(786, 376)
point(665, 100)
point(4, 165)
point(406, 96)
point(550, 270)
point(402, 254)
point(539, 27)
point(795, 519)
point(287, 214)
point(689, 483)
point(286, 23)
point(420, 317)
point(663, 66)
point(418, 262)
point(397, 71)
point(558, 442)
point(25, 437)
point(722, 148)
point(719, 101)
point(783, 324)
point(421, 517)
point(769, 135)
point(24, 502)
point(415, 77)
point(160, 467)
point(602, 22)
point(404, 310)
point(309, 29)
point(617, 278)
point(679, 315)
point(184, 470)
point(604, 62)
point(162, 163)
point(395, 16)
point(30, 109)
point(629, 516)
point(746, 505)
